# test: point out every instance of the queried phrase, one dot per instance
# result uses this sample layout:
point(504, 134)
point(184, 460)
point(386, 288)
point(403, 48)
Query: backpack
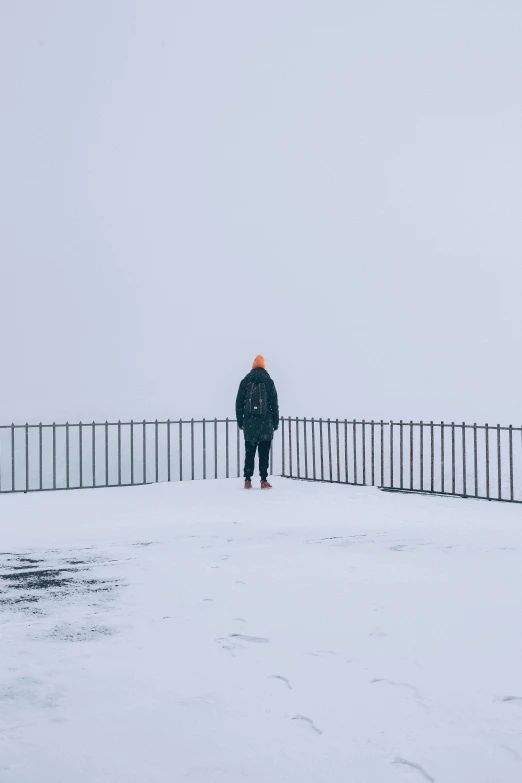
point(256, 400)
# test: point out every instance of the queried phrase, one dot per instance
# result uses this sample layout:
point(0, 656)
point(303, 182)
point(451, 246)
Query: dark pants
point(264, 456)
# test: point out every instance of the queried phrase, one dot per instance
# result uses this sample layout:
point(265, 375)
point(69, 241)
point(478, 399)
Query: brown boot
point(265, 485)
point(248, 484)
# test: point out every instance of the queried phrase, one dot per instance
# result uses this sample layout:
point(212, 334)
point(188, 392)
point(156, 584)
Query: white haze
point(335, 184)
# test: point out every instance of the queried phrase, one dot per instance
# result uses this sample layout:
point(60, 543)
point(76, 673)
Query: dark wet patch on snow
point(47, 587)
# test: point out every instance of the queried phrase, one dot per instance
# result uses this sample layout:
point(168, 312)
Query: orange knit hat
point(259, 361)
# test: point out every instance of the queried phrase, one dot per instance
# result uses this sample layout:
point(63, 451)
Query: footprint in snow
point(255, 639)
point(415, 766)
point(308, 721)
point(282, 679)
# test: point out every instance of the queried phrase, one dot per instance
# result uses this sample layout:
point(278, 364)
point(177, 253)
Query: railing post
point(119, 453)
point(215, 449)
point(442, 461)
point(499, 464)
point(411, 454)
point(464, 466)
point(475, 457)
point(354, 451)
point(298, 455)
point(106, 453)
point(67, 453)
point(204, 450)
point(363, 425)
point(421, 447)
point(511, 483)
point(337, 451)
point(168, 451)
point(372, 424)
point(40, 454)
point(401, 458)
point(290, 445)
point(487, 459)
point(391, 453)
point(382, 453)
point(321, 447)
point(330, 449)
point(26, 457)
point(144, 451)
point(132, 450)
point(226, 448)
point(305, 447)
point(156, 450)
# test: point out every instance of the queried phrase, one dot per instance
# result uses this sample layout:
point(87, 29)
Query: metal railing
point(439, 458)
point(463, 460)
point(38, 457)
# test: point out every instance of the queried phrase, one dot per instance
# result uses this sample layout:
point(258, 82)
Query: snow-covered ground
point(197, 632)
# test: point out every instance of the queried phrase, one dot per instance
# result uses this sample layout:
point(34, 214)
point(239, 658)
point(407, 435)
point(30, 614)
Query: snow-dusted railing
point(37, 457)
point(465, 460)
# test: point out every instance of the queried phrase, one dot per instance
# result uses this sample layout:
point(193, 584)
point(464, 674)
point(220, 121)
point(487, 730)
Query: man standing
point(257, 413)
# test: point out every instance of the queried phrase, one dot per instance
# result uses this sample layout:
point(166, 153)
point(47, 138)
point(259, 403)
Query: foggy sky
point(334, 184)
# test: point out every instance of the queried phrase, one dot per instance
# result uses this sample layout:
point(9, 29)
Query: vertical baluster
point(67, 454)
point(156, 451)
point(290, 444)
point(330, 449)
point(132, 450)
point(119, 453)
point(372, 424)
point(282, 446)
point(354, 425)
point(106, 453)
point(192, 450)
point(442, 456)
point(238, 452)
point(313, 448)
point(421, 447)
point(93, 452)
point(364, 450)
point(40, 454)
point(321, 447)
point(432, 448)
point(80, 447)
point(487, 460)
point(204, 450)
point(26, 457)
point(391, 453)
point(226, 448)
point(144, 444)
point(13, 468)
point(297, 447)
point(511, 483)
point(337, 451)
point(382, 453)
point(453, 480)
point(401, 458)
point(169, 474)
point(411, 454)
point(54, 455)
point(464, 468)
point(180, 425)
point(346, 475)
point(499, 464)
point(215, 449)
point(475, 458)
point(306, 448)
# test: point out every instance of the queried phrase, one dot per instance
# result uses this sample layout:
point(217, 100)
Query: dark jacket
point(257, 428)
